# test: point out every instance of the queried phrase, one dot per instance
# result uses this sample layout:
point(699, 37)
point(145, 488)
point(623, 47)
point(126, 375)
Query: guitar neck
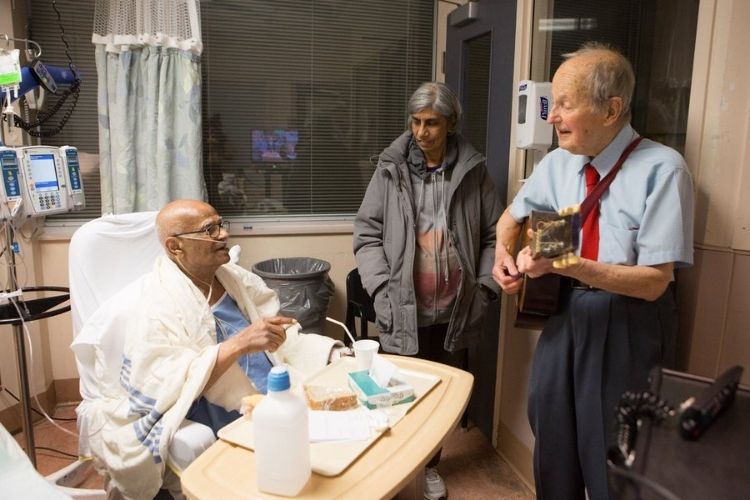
point(555, 235)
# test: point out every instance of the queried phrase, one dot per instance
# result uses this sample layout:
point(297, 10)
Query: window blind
point(300, 96)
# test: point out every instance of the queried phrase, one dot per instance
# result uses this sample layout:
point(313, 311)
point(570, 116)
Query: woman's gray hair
point(438, 97)
point(611, 76)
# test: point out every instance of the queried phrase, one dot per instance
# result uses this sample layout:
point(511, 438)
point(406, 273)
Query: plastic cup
point(364, 351)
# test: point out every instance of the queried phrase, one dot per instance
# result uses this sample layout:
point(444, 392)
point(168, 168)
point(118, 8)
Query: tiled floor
point(472, 469)
point(470, 466)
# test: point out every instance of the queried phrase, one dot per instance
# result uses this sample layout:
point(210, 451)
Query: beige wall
point(715, 293)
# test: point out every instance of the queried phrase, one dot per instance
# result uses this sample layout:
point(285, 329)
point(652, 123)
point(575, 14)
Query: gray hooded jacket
point(385, 245)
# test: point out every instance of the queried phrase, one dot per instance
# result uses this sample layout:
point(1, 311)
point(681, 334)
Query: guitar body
point(555, 237)
point(538, 300)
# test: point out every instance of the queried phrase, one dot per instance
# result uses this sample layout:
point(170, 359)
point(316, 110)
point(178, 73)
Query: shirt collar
point(604, 161)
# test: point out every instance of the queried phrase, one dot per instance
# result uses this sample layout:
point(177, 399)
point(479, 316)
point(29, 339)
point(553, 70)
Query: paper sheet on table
point(339, 426)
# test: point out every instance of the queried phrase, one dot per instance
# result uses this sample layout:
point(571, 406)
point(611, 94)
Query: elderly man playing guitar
point(617, 312)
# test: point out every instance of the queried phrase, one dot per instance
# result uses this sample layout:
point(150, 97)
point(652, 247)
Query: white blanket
point(169, 353)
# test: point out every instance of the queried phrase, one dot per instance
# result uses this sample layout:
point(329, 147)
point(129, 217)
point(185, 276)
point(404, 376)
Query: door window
point(657, 36)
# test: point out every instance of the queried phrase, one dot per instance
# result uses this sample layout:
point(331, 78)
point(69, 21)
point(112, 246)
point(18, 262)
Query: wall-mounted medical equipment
point(51, 180)
point(534, 105)
point(76, 198)
point(10, 187)
point(39, 180)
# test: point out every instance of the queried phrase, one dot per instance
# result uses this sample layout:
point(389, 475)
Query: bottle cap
point(278, 379)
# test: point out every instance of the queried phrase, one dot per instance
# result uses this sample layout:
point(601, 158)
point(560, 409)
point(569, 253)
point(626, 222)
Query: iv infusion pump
point(40, 180)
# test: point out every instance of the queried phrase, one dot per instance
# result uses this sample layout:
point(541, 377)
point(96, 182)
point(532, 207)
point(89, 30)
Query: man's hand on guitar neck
point(508, 271)
point(531, 267)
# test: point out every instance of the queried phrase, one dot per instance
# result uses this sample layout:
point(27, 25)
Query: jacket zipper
point(436, 252)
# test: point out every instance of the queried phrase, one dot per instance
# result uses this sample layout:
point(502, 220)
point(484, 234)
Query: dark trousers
point(431, 347)
point(598, 346)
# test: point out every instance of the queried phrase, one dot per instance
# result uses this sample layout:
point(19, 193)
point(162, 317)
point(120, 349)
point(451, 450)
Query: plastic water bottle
point(281, 434)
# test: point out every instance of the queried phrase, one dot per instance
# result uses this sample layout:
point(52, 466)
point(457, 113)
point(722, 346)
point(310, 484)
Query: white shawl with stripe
point(169, 353)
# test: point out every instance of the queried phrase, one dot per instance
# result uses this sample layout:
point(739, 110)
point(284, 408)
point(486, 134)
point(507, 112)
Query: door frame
point(476, 19)
point(498, 19)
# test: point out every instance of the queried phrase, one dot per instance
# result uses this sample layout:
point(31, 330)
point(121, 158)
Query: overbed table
point(392, 466)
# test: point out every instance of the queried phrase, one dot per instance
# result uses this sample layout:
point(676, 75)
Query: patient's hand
point(264, 334)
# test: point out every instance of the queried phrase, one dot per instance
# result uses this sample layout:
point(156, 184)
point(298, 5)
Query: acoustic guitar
point(555, 237)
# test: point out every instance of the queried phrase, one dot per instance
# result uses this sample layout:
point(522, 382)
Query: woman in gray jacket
point(424, 239)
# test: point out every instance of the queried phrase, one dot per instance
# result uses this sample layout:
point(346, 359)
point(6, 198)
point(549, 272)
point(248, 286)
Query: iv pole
point(17, 312)
point(23, 375)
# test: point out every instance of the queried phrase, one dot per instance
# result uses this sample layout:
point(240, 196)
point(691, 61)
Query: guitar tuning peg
point(569, 210)
point(566, 260)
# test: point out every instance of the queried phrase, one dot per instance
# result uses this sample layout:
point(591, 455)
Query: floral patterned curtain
point(149, 105)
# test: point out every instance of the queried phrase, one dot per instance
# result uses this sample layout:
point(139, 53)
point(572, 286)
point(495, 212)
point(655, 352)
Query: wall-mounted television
point(275, 145)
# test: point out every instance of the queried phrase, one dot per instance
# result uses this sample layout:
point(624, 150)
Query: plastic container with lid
point(281, 435)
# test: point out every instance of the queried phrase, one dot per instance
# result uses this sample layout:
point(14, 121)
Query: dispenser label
point(543, 108)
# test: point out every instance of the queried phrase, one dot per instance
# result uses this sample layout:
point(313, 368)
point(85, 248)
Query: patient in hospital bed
point(206, 334)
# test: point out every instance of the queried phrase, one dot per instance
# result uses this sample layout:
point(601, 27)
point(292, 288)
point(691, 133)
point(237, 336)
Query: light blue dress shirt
point(646, 215)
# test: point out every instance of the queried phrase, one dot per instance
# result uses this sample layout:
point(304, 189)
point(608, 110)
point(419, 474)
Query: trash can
point(303, 286)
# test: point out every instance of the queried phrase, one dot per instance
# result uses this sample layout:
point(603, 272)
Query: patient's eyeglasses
point(213, 231)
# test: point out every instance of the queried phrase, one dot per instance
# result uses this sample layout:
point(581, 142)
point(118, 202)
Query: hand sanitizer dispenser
point(534, 105)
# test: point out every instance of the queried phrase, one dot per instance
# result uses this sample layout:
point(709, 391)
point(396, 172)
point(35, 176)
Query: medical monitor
point(272, 146)
point(43, 172)
point(11, 185)
point(45, 190)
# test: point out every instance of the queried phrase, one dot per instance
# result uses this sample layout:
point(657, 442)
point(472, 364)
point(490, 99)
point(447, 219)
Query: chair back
point(105, 255)
point(358, 304)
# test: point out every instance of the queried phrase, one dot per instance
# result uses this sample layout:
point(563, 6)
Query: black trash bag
point(303, 286)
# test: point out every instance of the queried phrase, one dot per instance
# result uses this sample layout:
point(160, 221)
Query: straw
point(342, 326)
